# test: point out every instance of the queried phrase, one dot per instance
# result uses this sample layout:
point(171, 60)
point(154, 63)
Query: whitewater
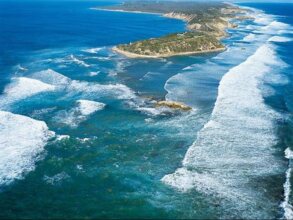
point(80, 129)
point(236, 148)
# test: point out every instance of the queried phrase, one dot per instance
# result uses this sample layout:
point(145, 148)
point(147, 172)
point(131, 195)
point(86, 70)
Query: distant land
point(206, 23)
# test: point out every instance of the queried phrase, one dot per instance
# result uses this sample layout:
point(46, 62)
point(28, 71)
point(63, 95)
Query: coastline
point(134, 55)
point(189, 27)
point(125, 11)
point(165, 15)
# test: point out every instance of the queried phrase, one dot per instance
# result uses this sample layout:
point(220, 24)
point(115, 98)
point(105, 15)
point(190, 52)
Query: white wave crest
point(261, 18)
point(94, 73)
point(289, 153)
point(279, 39)
point(22, 139)
point(87, 107)
point(62, 137)
point(93, 50)
point(118, 91)
point(21, 68)
point(237, 140)
point(249, 37)
point(287, 207)
point(79, 113)
point(78, 61)
point(60, 81)
point(51, 77)
point(21, 88)
point(275, 26)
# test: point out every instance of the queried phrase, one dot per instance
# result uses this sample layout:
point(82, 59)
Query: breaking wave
point(93, 50)
point(60, 81)
point(78, 61)
point(80, 113)
point(279, 39)
point(87, 107)
point(21, 88)
point(287, 207)
point(249, 37)
point(237, 140)
point(22, 139)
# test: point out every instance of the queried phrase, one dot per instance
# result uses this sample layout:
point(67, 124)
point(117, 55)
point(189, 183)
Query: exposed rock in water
point(173, 105)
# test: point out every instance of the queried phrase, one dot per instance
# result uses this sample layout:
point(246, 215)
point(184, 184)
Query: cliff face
point(181, 16)
point(214, 26)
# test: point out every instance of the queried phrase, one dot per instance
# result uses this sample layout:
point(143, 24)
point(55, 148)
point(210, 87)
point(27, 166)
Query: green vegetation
point(163, 7)
point(207, 23)
point(190, 42)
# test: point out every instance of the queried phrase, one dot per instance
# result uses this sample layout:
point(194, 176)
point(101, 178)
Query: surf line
point(287, 207)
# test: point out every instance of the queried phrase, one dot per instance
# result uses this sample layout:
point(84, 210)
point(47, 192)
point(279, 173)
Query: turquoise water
point(80, 137)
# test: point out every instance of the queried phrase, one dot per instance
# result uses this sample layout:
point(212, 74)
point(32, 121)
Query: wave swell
point(22, 139)
point(235, 147)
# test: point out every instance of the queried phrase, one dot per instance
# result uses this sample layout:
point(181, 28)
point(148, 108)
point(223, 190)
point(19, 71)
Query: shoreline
point(188, 28)
point(165, 15)
point(124, 11)
point(134, 55)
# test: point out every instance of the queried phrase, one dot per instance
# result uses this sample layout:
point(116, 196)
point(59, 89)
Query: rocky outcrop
point(173, 105)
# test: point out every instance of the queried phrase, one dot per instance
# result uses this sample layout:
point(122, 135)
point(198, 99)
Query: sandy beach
point(133, 55)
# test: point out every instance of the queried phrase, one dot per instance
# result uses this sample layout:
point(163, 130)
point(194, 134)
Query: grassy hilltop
point(179, 44)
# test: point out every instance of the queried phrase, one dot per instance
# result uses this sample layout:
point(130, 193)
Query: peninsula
point(206, 26)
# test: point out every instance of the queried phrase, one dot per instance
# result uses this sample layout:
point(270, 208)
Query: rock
point(173, 105)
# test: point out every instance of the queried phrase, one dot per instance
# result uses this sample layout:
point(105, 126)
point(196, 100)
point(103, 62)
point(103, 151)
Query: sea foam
point(279, 39)
point(22, 139)
point(287, 207)
point(74, 59)
point(235, 146)
point(82, 110)
point(275, 27)
point(87, 107)
point(249, 37)
point(60, 81)
point(23, 87)
point(52, 77)
point(93, 50)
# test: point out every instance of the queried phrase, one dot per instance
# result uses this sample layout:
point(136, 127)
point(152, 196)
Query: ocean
point(80, 136)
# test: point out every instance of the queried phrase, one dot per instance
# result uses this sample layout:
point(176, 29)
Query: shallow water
point(113, 153)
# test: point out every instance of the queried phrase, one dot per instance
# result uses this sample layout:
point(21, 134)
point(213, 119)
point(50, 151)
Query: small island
point(170, 45)
point(206, 23)
point(173, 105)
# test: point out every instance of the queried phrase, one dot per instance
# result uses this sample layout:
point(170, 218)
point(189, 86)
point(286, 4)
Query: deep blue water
point(30, 26)
point(80, 136)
